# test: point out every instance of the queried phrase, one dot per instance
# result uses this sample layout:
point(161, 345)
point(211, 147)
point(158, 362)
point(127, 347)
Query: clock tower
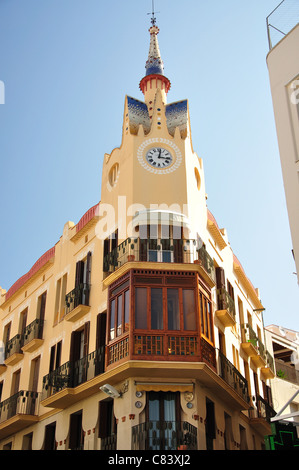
point(155, 172)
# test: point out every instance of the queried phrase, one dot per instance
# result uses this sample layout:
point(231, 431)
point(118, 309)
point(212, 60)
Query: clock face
point(159, 157)
point(154, 156)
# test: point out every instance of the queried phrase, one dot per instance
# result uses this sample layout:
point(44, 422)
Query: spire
point(154, 63)
point(154, 76)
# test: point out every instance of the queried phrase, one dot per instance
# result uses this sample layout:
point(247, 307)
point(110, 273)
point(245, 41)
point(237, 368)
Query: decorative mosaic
point(154, 63)
point(177, 116)
point(138, 114)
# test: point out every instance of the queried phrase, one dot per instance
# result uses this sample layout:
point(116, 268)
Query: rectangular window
point(189, 309)
point(156, 309)
point(119, 314)
point(141, 308)
point(127, 310)
point(173, 309)
point(112, 319)
point(206, 317)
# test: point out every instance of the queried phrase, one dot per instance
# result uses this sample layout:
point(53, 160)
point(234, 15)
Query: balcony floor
point(144, 369)
point(15, 424)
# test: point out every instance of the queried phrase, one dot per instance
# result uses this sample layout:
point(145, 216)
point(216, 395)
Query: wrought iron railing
point(78, 296)
point(249, 336)
point(109, 442)
point(164, 435)
point(225, 302)
point(232, 376)
point(72, 374)
point(23, 402)
point(270, 361)
point(33, 331)
point(262, 409)
point(13, 345)
point(159, 250)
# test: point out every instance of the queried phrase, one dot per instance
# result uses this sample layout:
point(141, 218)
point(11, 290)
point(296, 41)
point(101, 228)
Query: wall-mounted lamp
point(112, 392)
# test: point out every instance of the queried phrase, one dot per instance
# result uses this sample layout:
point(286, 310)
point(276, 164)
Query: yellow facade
point(144, 294)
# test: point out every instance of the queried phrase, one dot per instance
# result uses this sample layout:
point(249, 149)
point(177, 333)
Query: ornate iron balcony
point(33, 331)
point(78, 296)
point(22, 403)
point(232, 376)
point(72, 374)
point(263, 409)
point(14, 345)
point(225, 302)
point(163, 250)
point(164, 435)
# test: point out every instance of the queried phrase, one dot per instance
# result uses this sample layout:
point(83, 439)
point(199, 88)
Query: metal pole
point(275, 418)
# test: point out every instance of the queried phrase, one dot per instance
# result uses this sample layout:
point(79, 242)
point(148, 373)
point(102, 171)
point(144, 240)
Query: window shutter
point(88, 277)
point(220, 278)
point(79, 273)
point(86, 338)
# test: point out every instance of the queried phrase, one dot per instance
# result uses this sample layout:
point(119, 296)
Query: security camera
point(111, 391)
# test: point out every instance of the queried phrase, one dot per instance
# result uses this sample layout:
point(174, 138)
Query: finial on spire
point(153, 20)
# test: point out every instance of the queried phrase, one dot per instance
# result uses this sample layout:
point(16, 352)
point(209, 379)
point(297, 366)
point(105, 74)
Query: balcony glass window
point(127, 310)
point(112, 319)
point(189, 309)
point(156, 309)
point(119, 314)
point(178, 314)
point(206, 317)
point(173, 309)
point(141, 308)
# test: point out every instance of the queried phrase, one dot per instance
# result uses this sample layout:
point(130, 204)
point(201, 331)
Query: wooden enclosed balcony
point(161, 347)
point(18, 412)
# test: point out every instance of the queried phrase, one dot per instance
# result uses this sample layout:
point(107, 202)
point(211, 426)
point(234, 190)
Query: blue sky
point(67, 66)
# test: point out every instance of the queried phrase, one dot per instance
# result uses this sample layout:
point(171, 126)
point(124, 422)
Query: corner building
point(139, 329)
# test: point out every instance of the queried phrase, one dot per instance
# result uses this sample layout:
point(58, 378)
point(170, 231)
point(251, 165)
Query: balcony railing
point(163, 346)
point(78, 296)
point(232, 376)
point(109, 443)
point(72, 374)
point(262, 409)
point(270, 361)
point(164, 435)
point(249, 336)
point(286, 372)
point(225, 302)
point(14, 346)
point(159, 250)
point(33, 331)
point(22, 403)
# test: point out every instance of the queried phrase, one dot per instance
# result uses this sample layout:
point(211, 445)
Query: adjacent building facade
point(139, 329)
point(283, 66)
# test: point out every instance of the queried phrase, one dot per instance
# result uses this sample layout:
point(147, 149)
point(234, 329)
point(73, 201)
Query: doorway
point(163, 417)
